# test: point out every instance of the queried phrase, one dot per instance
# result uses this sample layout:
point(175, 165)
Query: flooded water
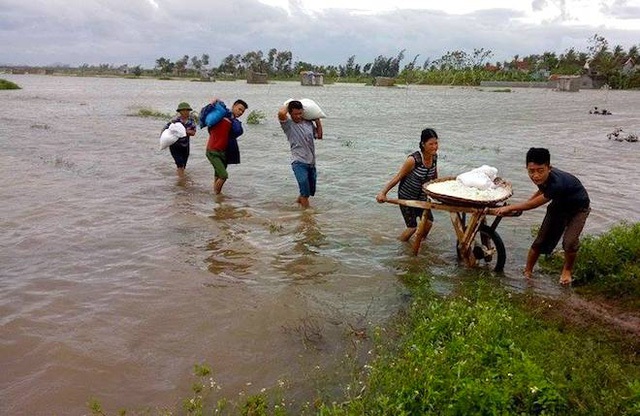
point(116, 277)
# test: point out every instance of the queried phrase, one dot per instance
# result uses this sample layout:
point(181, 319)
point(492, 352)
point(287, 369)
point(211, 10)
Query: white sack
point(310, 110)
point(475, 179)
point(490, 171)
point(171, 135)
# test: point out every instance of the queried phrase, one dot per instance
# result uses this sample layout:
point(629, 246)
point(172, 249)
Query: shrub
point(610, 262)
point(255, 117)
point(8, 85)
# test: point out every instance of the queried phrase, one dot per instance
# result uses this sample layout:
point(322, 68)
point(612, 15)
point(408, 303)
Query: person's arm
point(318, 129)
point(282, 114)
point(406, 167)
point(191, 131)
point(535, 201)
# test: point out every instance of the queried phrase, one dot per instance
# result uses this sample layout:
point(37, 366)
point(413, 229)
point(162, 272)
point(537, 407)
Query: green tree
point(230, 65)
point(254, 61)
point(164, 65)
point(387, 67)
point(181, 65)
point(284, 62)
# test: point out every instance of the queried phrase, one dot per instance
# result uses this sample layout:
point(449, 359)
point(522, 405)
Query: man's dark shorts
point(556, 223)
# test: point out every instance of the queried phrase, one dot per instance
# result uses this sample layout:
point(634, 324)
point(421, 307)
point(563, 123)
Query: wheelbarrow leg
point(465, 234)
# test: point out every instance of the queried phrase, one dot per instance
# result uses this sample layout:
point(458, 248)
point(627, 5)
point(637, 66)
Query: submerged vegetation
point(480, 350)
point(256, 117)
point(147, 112)
point(8, 85)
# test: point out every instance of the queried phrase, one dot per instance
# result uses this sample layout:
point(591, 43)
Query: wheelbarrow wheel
point(488, 248)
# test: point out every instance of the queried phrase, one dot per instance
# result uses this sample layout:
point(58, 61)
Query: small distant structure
point(384, 82)
point(569, 83)
point(310, 78)
point(206, 76)
point(254, 77)
point(629, 67)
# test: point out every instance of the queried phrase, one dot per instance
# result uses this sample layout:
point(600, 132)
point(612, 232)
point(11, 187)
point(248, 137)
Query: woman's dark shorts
point(412, 214)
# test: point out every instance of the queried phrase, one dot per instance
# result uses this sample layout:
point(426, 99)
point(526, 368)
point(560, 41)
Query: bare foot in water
point(565, 279)
point(528, 274)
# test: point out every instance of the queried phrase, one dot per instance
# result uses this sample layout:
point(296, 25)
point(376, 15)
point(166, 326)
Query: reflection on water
point(114, 266)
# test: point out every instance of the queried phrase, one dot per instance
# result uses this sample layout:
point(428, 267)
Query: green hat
point(184, 106)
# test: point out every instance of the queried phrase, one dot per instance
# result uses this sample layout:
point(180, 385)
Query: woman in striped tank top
point(419, 167)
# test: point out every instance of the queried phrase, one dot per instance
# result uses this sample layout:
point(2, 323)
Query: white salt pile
point(477, 185)
point(456, 189)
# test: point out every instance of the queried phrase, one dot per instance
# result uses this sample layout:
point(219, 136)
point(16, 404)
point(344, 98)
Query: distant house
point(568, 82)
point(629, 66)
point(384, 82)
point(491, 68)
point(521, 66)
point(257, 77)
point(311, 78)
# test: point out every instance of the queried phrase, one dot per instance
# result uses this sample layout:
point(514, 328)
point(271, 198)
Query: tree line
point(615, 66)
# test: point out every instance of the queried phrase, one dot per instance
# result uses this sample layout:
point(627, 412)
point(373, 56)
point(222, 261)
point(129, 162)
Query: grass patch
point(607, 264)
point(8, 85)
point(147, 112)
point(481, 353)
point(256, 117)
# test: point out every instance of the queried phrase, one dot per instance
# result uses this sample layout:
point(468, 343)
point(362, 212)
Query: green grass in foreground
point(8, 85)
point(479, 353)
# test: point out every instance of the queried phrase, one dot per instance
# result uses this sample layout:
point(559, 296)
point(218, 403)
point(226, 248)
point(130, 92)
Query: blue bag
point(211, 114)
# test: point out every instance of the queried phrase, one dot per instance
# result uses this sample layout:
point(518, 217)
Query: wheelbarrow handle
point(492, 211)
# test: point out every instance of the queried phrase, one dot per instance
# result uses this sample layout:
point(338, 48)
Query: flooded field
point(116, 277)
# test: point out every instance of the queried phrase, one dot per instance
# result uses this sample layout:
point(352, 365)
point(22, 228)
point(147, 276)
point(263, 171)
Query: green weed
point(8, 85)
point(609, 263)
point(255, 117)
point(146, 112)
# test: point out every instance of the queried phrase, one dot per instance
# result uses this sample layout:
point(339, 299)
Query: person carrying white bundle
point(310, 110)
point(183, 127)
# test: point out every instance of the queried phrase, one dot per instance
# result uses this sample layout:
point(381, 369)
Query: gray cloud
point(621, 9)
point(42, 32)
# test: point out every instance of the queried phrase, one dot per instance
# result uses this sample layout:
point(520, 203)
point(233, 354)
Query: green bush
point(8, 85)
point(255, 117)
point(146, 112)
point(609, 263)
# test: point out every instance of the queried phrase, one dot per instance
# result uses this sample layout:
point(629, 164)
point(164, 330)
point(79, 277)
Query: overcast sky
point(137, 32)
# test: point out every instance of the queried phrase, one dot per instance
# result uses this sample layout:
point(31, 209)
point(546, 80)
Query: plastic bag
point(310, 109)
point(171, 134)
point(480, 178)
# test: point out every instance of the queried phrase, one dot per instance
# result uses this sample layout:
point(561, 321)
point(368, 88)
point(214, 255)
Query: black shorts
point(411, 215)
point(556, 223)
point(180, 154)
